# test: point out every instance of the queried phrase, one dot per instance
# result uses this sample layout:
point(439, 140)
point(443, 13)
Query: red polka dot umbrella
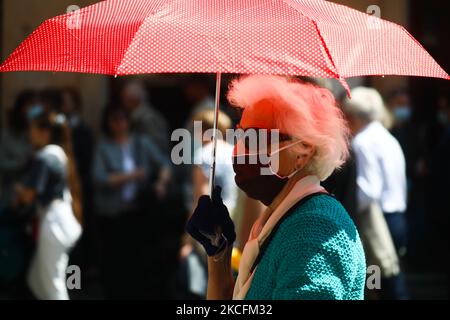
point(289, 37)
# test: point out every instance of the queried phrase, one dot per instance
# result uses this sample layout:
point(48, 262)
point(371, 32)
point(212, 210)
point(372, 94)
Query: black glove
point(211, 225)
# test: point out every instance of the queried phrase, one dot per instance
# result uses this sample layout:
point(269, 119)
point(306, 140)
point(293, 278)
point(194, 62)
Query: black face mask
point(259, 187)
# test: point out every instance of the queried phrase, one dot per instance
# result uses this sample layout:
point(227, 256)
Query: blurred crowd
point(114, 203)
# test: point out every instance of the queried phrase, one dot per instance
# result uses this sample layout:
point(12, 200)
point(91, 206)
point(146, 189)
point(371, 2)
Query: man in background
point(381, 188)
point(144, 118)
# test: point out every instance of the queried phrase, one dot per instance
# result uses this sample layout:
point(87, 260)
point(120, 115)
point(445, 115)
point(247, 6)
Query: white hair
point(367, 104)
point(136, 88)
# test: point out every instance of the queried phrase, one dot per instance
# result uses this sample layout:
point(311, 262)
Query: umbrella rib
point(324, 44)
point(447, 76)
point(327, 51)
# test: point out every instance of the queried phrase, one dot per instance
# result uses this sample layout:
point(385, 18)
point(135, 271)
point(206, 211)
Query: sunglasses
point(258, 140)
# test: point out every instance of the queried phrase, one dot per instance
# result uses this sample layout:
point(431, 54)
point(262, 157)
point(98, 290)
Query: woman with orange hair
point(304, 246)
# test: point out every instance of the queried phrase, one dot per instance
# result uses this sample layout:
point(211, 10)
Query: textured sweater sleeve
point(316, 271)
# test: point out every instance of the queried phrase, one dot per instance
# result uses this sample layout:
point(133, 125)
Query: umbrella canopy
point(289, 37)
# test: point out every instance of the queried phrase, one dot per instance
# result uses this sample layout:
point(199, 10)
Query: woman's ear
point(304, 156)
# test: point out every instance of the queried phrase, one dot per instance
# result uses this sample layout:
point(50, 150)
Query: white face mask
point(268, 161)
point(274, 170)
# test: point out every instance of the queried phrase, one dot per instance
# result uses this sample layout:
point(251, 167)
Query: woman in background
point(195, 257)
point(15, 152)
point(14, 146)
point(131, 179)
point(53, 185)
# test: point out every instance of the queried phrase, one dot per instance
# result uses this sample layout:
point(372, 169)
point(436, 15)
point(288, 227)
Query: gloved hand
point(211, 225)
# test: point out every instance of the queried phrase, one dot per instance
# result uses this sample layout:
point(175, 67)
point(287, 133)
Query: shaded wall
point(19, 19)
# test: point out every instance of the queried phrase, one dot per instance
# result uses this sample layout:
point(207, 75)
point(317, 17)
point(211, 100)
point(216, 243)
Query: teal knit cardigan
point(315, 254)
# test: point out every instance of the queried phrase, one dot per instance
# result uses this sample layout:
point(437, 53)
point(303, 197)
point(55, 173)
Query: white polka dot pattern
point(292, 37)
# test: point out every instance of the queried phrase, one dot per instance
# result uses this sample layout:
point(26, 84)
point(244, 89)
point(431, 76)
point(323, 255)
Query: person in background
point(224, 166)
point(144, 118)
point(198, 94)
point(381, 183)
point(440, 190)
point(15, 152)
point(52, 183)
point(405, 130)
point(15, 148)
point(51, 99)
point(342, 184)
point(415, 132)
point(400, 105)
point(443, 112)
point(193, 254)
point(82, 137)
point(129, 175)
point(304, 246)
point(83, 148)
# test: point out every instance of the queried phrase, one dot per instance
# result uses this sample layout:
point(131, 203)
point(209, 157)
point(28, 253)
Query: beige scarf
point(262, 229)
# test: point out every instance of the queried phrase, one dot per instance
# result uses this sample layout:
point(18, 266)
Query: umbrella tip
point(346, 86)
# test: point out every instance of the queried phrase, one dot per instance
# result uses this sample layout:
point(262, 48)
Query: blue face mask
point(402, 113)
point(34, 111)
point(442, 118)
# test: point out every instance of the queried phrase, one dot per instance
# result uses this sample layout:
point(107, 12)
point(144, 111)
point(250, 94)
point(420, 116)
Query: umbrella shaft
point(212, 172)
